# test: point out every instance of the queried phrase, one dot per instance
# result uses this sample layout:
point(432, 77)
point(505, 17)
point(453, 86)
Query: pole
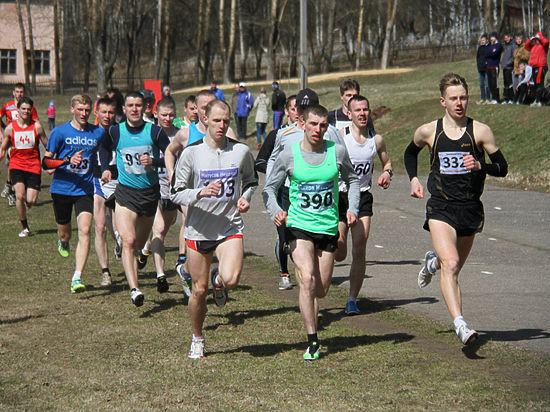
point(303, 44)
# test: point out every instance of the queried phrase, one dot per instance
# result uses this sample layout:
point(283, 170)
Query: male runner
point(454, 213)
point(10, 111)
point(282, 196)
point(215, 179)
point(313, 166)
point(362, 146)
point(104, 216)
point(137, 144)
point(339, 118)
point(23, 135)
point(71, 151)
point(191, 113)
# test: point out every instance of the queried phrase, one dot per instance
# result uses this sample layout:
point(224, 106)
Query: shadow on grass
point(20, 319)
point(328, 346)
point(516, 335)
point(238, 317)
point(44, 231)
point(413, 262)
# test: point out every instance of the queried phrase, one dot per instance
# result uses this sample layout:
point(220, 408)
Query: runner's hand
point(280, 218)
point(243, 205)
point(76, 159)
point(145, 159)
point(351, 219)
point(416, 188)
point(471, 163)
point(106, 176)
point(384, 180)
point(212, 189)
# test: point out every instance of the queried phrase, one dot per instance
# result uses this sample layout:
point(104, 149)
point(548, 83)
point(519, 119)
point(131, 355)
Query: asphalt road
point(505, 282)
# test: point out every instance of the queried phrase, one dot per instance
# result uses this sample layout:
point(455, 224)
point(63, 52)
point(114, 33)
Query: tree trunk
point(327, 56)
point(488, 14)
point(523, 15)
point(23, 42)
point(389, 26)
point(198, 43)
point(158, 39)
point(228, 54)
point(359, 47)
point(56, 47)
point(166, 48)
point(276, 16)
point(31, 47)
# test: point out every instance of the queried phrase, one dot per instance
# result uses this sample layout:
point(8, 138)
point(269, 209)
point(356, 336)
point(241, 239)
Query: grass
point(96, 351)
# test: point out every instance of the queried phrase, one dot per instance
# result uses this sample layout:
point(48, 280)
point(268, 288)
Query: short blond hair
point(452, 79)
point(81, 99)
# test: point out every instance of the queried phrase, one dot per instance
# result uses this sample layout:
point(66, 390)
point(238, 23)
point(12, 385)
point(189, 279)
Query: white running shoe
point(197, 349)
point(284, 282)
point(24, 233)
point(466, 335)
point(186, 281)
point(11, 199)
point(5, 190)
point(107, 279)
point(425, 276)
point(137, 297)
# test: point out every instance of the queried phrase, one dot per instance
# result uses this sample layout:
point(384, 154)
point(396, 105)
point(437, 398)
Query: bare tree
point(137, 12)
point(56, 42)
point(276, 16)
point(228, 53)
point(359, 35)
point(31, 47)
point(23, 41)
point(389, 26)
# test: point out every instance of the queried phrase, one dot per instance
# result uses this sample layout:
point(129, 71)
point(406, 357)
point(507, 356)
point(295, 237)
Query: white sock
point(159, 275)
point(351, 299)
point(431, 265)
point(76, 275)
point(195, 339)
point(459, 321)
point(145, 251)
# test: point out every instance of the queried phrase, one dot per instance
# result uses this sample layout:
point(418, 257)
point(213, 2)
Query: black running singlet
point(449, 179)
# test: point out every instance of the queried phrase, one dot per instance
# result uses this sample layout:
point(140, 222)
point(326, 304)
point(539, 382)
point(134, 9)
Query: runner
point(191, 113)
point(104, 216)
point(23, 135)
point(339, 118)
point(313, 166)
point(10, 111)
point(454, 213)
point(209, 176)
point(138, 145)
point(282, 195)
point(362, 146)
point(70, 151)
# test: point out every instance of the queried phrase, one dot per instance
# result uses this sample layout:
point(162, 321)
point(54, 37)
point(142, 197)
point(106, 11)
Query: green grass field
point(96, 351)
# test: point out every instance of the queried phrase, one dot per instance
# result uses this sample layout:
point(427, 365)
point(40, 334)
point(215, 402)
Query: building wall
point(43, 36)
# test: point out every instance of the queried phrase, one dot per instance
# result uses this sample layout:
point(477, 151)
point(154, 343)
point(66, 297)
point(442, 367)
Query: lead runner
point(454, 213)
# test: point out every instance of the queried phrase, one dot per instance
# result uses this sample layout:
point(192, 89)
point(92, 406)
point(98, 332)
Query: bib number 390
point(316, 196)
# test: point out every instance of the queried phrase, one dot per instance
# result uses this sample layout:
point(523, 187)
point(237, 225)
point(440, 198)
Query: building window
point(8, 59)
point(42, 61)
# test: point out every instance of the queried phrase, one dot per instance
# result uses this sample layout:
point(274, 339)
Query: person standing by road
point(519, 55)
point(507, 64)
point(482, 70)
point(493, 53)
point(245, 102)
point(538, 46)
point(278, 102)
point(261, 104)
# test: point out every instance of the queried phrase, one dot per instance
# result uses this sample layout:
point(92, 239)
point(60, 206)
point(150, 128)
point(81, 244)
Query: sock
point(431, 265)
point(351, 299)
point(182, 259)
point(159, 275)
point(215, 281)
point(24, 224)
point(459, 321)
point(146, 252)
point(106, 270)
point(198, 339)
point(76, 275)
point(312, 338)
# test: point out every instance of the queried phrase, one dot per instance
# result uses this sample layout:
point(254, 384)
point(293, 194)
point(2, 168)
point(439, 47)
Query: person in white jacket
point(261, 104)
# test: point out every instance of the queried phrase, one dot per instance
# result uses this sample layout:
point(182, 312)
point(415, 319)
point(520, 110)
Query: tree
point(23, 41)
point(359, 35)
point(228, 53)
point(56, 42)
point(276, 16)
point(137, 12)
point(31, 47)
point(389, 27)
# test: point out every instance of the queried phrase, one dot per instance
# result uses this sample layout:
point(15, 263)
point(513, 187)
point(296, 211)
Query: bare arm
point(5, 142)
point(41, 134)
point(384, 179)
point(177, 145)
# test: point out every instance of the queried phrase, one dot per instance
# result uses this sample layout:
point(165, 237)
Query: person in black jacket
point(482, 70)
point(278, 101)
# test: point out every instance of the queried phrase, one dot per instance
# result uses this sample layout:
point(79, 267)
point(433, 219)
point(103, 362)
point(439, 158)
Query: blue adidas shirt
point(64, 141)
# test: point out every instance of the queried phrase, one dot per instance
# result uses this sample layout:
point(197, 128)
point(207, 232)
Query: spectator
point(166, 91)
point(524, 89)
point(234, 100)
point(218, 92)
point(538, 46)
point(519, 55)
point(261, 104)
point(115, 95)
point(245, 101)
point(493, 53)
point(278, 101)
point(507, 64)
point(482, 70)
point(50, 112)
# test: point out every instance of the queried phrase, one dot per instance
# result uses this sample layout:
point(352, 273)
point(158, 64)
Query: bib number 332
point(452, 163)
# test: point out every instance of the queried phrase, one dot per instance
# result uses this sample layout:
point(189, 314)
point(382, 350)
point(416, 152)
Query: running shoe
point(197, 349)
point(11, 199)
point(186, 281)
point(137, 297)
point(219, 292)
point(425, 276)
point(142, 260)
point(77, 286)
point(284, 282)
point(107, 279)
point(466, 335)
point(162, 284)
point(118, 251)
point(352, 309)
point(313, 352)
point(25, 233)
point(5, 190)
point(63, 249)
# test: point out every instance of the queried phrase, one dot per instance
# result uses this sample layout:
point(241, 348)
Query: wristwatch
point(390, 172)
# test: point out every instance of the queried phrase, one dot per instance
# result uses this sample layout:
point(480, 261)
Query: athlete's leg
point(359, 237)
point(32, 197)
point(162, 222)
point(20, 199)
point(230, 257)
point(126, 222)
point(451, 260)
point(84, 223)
point(306, 267)
point(342, 250)
point(64, 232)
point(100, 241)
point(199, 267)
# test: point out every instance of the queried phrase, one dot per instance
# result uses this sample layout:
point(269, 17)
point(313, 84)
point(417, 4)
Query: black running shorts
point(63, 206)
point(141, 201)
point(30, 180)
point(328, 243)
point(365, 205)
point(466, 219)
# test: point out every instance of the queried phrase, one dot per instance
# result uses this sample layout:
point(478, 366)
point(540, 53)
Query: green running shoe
point(313, 352)
point(63, 249)
point(77, 286)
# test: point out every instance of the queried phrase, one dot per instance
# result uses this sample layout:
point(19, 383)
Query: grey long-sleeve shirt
point(213, 218)
point(284, 166)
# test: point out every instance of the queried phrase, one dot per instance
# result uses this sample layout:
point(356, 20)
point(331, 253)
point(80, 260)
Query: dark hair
point(106, 101)
point(452, 79)
point(26, 100)
point(134, 95)
point(358, 98)
point(167, 102)
point(214, 103)
point(315, 109)
point(205, 92)
point(349, 84)
point(190, 99)
point(19, 86)
point(289, 100)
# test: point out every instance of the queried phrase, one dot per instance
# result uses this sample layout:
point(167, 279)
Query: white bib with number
point(130, 157)
point(229, 179)
point(316, 196)
point(452, 163)
point(14, 114)
point(80, 169)
point(24, 140)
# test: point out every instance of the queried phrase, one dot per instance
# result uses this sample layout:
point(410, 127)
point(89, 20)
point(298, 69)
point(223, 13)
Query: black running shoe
point(162, 284)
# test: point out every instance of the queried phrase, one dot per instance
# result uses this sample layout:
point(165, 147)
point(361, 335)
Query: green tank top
point(313, 193)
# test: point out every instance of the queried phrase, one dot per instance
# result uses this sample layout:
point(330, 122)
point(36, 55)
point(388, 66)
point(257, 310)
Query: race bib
point(162, 170)
point(229, 179)
point(24, 140)
point(14, 114)
point(80, 169)
point(362, 169)
point(130, 157)
point(452, 163)
point(316, 196)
